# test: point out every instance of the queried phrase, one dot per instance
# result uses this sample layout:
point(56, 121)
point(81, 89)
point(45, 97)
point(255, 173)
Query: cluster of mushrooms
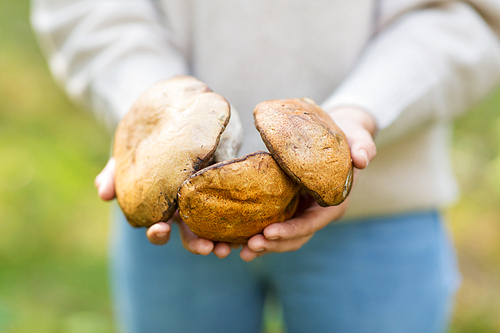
point(166, 145)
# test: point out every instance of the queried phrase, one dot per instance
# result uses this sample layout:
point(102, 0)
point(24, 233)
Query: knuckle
point(311, 229)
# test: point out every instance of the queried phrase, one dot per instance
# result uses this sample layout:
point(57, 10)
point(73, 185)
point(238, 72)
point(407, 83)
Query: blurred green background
point(53, 228)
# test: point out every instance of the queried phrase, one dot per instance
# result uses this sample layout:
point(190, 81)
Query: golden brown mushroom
point(170, 132)
point(234, 200)
point(307, 144)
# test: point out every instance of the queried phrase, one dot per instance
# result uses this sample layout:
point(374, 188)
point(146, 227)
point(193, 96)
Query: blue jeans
point(389, 274)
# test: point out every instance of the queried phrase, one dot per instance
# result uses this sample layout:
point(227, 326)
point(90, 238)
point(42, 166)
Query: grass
point(53, 228)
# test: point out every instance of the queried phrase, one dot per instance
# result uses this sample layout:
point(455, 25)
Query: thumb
point(359, 128)
point(105, 181)
point(363, 149)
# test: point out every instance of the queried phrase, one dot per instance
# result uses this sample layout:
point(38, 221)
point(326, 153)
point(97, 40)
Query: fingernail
point(260, 250)
point(273, 238)
point(161, 234)
point(363, 153)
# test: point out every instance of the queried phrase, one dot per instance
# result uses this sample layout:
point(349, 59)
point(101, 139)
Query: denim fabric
point(387, 274)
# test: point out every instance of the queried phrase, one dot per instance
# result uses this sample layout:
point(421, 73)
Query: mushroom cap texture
point(233, 200)
point(308, 145)
point(170, 132)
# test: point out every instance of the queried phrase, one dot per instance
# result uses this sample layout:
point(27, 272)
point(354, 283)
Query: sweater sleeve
point(428, 65)
point(105, 52)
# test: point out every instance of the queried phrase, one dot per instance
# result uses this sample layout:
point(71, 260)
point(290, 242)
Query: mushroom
point(233, 200)
point(307, 144)
point(163, 146)
point(171, 132)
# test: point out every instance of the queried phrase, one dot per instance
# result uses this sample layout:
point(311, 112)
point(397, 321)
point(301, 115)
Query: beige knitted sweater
point(413, 64)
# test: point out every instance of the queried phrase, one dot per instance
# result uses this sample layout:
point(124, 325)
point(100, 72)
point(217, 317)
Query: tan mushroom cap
point(234, 200)
point(308, 145)
point(169, 133)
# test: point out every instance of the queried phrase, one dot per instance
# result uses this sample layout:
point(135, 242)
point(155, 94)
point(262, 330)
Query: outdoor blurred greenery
point(53, 228)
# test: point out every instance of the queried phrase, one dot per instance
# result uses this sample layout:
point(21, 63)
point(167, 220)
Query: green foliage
point(475, 218)
point(53, 274)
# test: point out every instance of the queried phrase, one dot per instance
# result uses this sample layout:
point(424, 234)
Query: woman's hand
point(159, 233)
point(290, 235)
point(359, 128)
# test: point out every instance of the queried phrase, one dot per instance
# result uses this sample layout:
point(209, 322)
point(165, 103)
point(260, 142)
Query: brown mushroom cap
point(308, 145)
point(234, 200)
point(170, 132)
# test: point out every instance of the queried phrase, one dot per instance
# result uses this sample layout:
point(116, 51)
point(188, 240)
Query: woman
point(402, 68)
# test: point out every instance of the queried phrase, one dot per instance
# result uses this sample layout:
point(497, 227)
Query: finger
point(105, 181)
point(260, 245)
point(176, 217)
point(311, 220)
point(108, 168)
point(193, 243)
point(159, 233)
point(359, 127)
point(363, 149)
point(222, 250)
point(248, 255)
